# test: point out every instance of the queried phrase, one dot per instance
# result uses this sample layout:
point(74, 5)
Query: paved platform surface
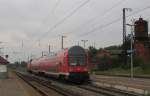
point(138, 84)
point(13, 86)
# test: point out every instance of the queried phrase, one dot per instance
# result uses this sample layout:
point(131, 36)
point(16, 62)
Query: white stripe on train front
point(59, 73)
point(63, 73)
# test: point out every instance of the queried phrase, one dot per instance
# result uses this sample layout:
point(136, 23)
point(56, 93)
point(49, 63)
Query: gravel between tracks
point(140, 86)
point(73, 90)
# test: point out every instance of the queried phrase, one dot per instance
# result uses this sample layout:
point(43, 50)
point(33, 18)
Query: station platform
point(14, 86)
point(137, 85)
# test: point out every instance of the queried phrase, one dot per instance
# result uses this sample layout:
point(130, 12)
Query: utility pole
point(94, 45)
point(49, 49)
point(1, 53)
point(0, 49)
point(84, 41)
point(22, 44)
point(132, 51)
point(131, 65)
point(23, 51)
point(28, 58)
point(31, 56)
point(78, 43)
point(124, 34)
point(62, 41)
point(42, 53)
point(39, 44)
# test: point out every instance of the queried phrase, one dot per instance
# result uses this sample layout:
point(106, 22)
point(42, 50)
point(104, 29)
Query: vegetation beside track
point(109, 61)
point(138, 71)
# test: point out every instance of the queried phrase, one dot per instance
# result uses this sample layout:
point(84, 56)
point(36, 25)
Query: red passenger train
point(69, 64)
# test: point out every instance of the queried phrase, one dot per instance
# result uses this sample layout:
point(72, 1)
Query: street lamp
point(131, 49)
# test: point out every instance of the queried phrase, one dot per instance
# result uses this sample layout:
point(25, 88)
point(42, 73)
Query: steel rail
point(89, 87)
point(107, 91)
point(45, 83)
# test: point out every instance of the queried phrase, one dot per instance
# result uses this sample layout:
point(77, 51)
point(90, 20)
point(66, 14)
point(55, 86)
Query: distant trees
point(92, 53)
point(112, 61)
point(103, 57)
point(116, 59)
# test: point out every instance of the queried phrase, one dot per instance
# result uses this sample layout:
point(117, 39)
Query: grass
point(119, 71)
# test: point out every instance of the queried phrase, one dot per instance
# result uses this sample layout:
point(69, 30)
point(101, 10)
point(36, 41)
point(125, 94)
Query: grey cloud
point(28, 20)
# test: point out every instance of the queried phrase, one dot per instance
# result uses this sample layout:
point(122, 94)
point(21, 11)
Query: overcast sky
point(29, 26)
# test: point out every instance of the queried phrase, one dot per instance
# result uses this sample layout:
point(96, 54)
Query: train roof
point(73, 50)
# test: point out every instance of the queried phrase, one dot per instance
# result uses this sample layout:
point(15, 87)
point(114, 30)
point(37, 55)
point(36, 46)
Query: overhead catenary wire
point(47, 18)
point(65, 18)
point(112, 22)
point(56, 5)
point(105, 13)
point(114, 6)
point(52, 11)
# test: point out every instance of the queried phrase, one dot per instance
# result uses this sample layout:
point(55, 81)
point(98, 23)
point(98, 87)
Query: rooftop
point(3, 61)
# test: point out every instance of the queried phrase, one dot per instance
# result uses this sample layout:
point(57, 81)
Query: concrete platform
point(3, 71)
point(137, 85)
point(14, 86)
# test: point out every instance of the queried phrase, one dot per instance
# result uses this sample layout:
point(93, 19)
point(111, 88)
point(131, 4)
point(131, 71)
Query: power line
point(114, 6)
point(54, 8)
point(138, 11)
point(92, 19)
point(52, 11)
point(65, 18)
point(111, 8)
point(100, 27)
point(112, 22)
point(47, 17)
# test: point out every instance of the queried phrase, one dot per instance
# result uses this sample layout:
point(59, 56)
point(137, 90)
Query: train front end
point(77, 62)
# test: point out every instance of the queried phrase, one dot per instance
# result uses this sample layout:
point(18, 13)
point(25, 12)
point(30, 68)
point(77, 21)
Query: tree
point(92, 54)
point(92, 51)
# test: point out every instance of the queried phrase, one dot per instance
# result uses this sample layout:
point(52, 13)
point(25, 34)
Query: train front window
point(77, 61)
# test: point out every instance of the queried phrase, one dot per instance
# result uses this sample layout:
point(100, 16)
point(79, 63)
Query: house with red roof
point(3, 61)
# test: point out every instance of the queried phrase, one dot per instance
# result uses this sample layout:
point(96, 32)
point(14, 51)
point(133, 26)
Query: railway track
point(107, 91)
point(44, 87)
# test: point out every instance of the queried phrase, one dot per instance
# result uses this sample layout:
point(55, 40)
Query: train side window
point(64, 60)
point(60, 64)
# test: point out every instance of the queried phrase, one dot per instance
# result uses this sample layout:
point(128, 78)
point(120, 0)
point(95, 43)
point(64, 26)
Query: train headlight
point(85, 69)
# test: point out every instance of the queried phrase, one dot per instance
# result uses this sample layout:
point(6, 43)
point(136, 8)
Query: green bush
point(146, 66)
point(137, 61)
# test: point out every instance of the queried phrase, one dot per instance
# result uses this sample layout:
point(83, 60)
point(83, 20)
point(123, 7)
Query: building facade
point(141, 39)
